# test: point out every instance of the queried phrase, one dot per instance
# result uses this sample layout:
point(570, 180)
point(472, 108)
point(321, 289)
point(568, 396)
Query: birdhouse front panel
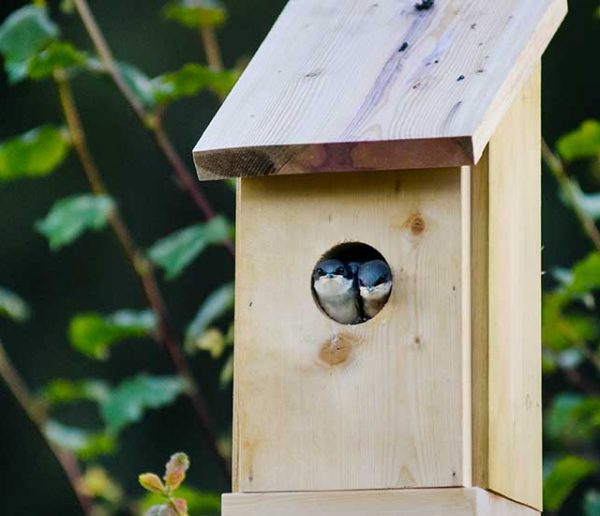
point(384, 403)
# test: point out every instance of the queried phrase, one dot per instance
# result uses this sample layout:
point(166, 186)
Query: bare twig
point(140, 265)
point(557, 167)
point(150, 121)
point(37, 415)
point(211, 48)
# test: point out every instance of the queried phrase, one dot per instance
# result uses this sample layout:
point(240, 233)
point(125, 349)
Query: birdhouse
point(408, 135)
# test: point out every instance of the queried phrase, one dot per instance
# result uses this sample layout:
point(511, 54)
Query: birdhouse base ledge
point(470, 501)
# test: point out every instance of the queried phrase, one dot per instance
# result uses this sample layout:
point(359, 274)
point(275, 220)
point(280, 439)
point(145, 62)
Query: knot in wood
point(336, 349)
point(416, 224)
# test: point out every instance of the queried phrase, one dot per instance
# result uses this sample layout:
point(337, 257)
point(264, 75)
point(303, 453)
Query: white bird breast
point(376, 293)
point(329, 288)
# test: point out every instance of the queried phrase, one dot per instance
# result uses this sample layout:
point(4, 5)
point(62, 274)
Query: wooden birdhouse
point(408, 133)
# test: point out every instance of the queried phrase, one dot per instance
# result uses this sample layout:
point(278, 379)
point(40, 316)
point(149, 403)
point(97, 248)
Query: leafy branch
point(139, 263)
point(570, 333)
point(151, 121)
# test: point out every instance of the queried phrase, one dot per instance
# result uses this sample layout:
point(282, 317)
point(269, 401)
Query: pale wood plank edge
point(519, 74)
point(333, 157)
point(401, 502)
point(235, 430)
point(479, 320)
point(466, 287)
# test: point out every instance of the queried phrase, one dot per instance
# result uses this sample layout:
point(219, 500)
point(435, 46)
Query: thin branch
point(150, 121)
point(37, 415)
point(558, 169)
point(140, 265)
point(211, 48)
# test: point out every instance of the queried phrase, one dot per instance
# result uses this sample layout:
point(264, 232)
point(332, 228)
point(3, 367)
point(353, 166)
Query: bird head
point(374, 279)
point(330, 269)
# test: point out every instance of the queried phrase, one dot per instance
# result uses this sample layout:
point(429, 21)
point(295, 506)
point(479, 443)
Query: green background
point(92, 275)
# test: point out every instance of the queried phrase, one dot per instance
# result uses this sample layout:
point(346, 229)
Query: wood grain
point(395, 412)
point(363, 86)
point(506, 305)
point(429, 502)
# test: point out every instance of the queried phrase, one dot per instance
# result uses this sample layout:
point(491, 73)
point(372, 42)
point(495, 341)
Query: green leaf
point(151, 482)
point(35, 153)
point(563, 477)
point(573, 418)
point(586, 276)
point(139, 83)
point(196, 13)
point(58, 55)
point(226, 375)
point(61, 391)
point(199, 502)
point(191, 79)
point(22, 34)
point(127, 402)
point(13, 306)
point(560, 420)
point(176, 251)
point(69, 218)
point(591, 503)
point(217, 304)
point(86, 445)
point(560, 331)
point(96, 483)
point(93, 334)
point(589, 203)
point(583, 142)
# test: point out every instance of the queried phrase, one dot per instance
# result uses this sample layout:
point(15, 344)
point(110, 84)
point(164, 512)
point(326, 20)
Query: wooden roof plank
point(355, 85)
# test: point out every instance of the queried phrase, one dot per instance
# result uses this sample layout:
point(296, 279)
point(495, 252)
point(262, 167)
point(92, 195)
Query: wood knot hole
point(417, 225)
point(336, 350)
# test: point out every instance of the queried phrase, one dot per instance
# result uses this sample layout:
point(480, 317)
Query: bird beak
point(370, 289)
point(329, 275)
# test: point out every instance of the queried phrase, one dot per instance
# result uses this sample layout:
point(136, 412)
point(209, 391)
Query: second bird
point(375, 285)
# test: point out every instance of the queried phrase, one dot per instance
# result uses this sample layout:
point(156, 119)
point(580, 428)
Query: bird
point(374, 285)
point(335, 287)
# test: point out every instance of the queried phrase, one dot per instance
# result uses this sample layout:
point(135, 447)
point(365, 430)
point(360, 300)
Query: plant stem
point(150, 121)
point(558, 169)
point(211, 48)
point(141, 266)
point(37, 415)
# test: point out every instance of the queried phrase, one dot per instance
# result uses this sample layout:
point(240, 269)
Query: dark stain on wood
point(397, 185)
point(460, 78)
point(254, 162)
point(424, 5)
point(391, 70)
point(403, 47)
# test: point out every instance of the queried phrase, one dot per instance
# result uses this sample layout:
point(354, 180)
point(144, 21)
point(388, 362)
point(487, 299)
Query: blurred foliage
point(570, 327)
point(32, 46)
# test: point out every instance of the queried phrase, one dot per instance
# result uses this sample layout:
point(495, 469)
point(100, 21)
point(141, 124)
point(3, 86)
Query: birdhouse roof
point(342, 85)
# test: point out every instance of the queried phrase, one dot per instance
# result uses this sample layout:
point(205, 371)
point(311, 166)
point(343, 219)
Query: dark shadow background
point(92, 275)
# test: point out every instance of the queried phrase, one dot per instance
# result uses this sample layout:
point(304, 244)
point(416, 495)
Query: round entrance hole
point(351, 283)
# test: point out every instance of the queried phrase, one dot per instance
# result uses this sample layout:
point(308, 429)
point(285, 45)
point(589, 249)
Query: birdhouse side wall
point(506, 265)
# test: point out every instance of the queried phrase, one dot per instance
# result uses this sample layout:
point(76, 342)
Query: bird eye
point(380, 280)
point(320, 272)
point(340, 271)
